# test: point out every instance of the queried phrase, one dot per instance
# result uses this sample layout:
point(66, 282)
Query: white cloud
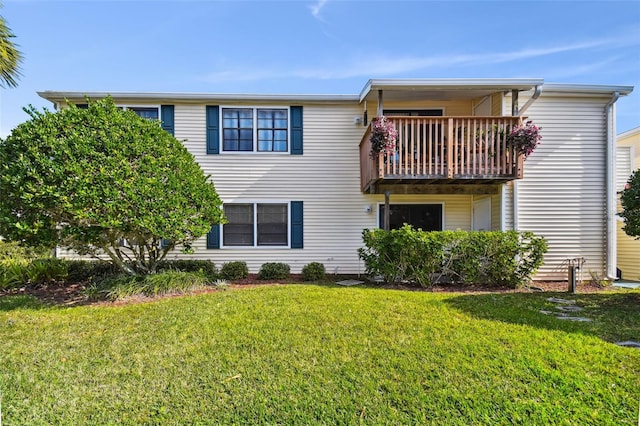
point(371, 65)
point(317, 8)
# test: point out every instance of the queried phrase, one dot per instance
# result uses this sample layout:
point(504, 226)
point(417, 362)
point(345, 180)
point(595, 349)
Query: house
point(299, 184)
point(628, 160)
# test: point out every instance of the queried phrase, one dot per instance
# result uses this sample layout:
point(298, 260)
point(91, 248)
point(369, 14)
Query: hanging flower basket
point(525, 138)
point(383, 136)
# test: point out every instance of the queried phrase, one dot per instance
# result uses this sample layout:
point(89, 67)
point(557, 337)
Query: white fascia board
point(61, 96)
point(450, 84)
point(586, 89)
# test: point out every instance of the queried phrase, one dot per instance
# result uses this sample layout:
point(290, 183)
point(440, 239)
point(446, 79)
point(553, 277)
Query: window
point(145, 112)
point(237, 129)
point(259, 224)
point(255, 129)
point(427, 217)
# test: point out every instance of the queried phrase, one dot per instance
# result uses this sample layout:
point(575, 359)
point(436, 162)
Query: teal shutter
point(167, 117)
point(295, 113)
point(164, 243)
point(213, 237)
point(213, 133)
point(297, 225)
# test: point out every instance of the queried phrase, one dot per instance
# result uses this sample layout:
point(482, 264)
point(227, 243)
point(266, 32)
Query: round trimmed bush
point(313, 271)
point(274, 271)
point(234, 270)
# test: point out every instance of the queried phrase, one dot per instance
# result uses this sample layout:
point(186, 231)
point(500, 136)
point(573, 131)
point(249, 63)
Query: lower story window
point(427, 217)
point(256, 224)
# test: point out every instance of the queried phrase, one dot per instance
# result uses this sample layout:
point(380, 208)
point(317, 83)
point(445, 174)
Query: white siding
point(562, 195)
point(507, 199)
point(326, 178)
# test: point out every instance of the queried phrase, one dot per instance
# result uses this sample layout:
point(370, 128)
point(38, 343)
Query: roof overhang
point(586, 89)
point(443, 89)
point(171, 97)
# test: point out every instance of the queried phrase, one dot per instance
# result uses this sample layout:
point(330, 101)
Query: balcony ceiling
point(442, 89)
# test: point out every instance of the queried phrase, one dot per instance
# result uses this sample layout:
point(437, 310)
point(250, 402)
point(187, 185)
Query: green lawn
point(307, 354)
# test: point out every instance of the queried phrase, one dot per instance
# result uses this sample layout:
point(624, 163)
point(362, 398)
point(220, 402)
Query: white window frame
point(128, 106)
point(255, 225)
point(441, 203)
point(255, 129)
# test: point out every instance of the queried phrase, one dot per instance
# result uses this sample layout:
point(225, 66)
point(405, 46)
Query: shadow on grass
point(615, 316)
point(11, 303)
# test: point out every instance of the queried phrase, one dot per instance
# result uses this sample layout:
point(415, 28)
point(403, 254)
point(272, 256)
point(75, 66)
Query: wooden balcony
point(445, 151)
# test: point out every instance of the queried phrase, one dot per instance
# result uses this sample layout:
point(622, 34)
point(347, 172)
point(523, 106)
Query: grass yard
point(309, 354)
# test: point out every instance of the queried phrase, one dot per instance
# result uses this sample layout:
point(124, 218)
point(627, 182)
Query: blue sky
point(317, 46)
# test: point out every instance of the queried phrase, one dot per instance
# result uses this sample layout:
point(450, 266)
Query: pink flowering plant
point(525, 138)
point(383, 135)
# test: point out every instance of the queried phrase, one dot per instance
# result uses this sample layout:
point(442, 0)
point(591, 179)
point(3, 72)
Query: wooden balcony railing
point(432, 149)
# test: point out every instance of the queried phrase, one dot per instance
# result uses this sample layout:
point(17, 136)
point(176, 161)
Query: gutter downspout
point(532, 99)
point(610, 128)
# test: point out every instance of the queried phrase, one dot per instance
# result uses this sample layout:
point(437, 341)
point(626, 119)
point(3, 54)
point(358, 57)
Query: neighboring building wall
point(562, 195)
point(628, 159)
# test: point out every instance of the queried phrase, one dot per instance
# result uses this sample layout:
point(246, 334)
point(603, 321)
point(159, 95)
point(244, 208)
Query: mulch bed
point(73, 294)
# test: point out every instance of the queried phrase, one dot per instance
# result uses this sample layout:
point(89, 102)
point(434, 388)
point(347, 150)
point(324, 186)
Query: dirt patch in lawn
point(74, 294)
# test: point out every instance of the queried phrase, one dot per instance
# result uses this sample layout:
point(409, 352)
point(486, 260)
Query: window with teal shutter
point(297, 225)
point(213, 237)
point(167, 116)
point(296, 130)
point(213, 133)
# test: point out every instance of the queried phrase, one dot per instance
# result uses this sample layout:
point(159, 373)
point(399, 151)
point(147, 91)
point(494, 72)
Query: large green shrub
point(234, 270)
point(103, 182)
point(274, 271)
point(314, 271)
point(471, 257)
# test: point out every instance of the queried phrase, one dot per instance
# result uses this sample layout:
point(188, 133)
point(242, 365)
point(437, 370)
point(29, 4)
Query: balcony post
point(380, 107)
point(387, 197)
point(450, 149)
point(514, 102)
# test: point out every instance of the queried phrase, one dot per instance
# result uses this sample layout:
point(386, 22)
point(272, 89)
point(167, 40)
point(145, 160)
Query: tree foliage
point(101, 181)
point(630, 199)
point(10, 56)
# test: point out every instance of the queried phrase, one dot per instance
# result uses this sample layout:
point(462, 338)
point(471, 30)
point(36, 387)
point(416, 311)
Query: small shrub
point(191, 265)
point(90, 270)
point(274, 271)
point(47, 270)
point(234, 270)
point(13, 273)
point(169, 282)
point(19, 272)
point(11, 250)
point(313, 271)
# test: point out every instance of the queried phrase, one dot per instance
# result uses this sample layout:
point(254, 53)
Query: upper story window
point(146, 112)
point(255, 129)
